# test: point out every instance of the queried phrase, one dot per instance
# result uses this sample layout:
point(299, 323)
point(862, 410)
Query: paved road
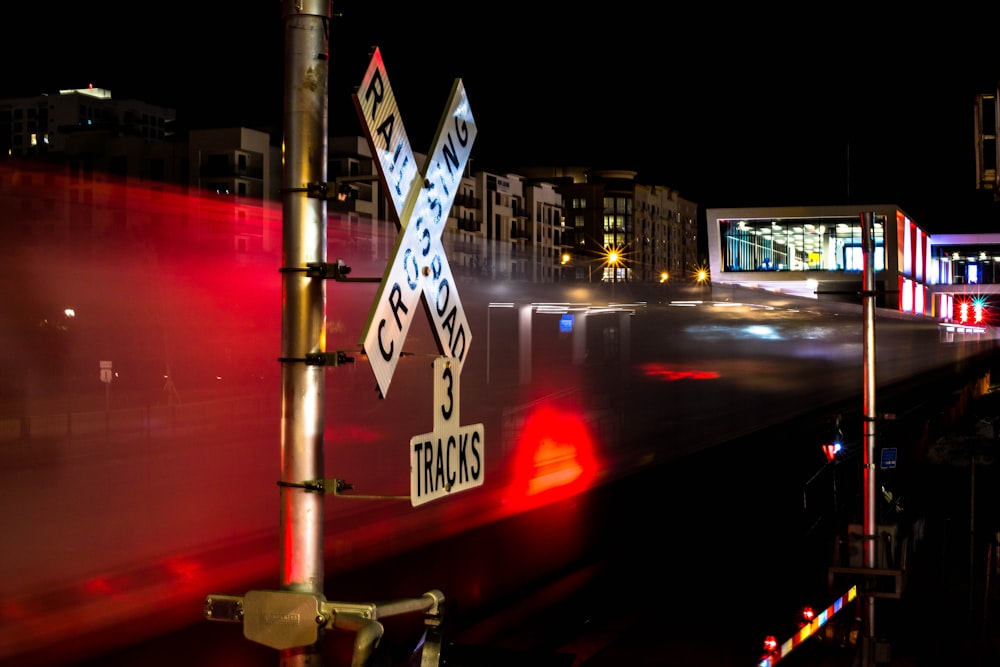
point(681, 588)
point(128, 536)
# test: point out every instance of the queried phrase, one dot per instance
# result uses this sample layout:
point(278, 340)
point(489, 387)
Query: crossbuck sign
point(451, 458)
point(422, 199)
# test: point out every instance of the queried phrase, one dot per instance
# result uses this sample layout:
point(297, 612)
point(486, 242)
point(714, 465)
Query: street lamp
point(613, 258)
point(612, 261)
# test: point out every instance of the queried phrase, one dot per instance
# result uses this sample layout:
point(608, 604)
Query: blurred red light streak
point(666, 374)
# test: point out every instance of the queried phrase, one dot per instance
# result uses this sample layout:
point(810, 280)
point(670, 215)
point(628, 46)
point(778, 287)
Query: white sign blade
point(443, 176)
point(392, 313)
point(376, 106)
point(419, 258)
point(444, 308)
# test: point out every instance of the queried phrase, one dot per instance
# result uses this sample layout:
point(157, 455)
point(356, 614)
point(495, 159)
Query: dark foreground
point(695, 562)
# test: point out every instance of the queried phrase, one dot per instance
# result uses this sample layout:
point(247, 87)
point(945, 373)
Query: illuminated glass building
point(817, 252)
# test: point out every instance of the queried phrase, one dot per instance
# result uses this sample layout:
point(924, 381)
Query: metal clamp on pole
point(291, 619)
point(337, 487)
point(338, 358)
point(337, 272)
point(326, 271)
point(343, 190)
point(224, 608)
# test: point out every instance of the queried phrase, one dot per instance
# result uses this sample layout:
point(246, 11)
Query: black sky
point(745, 107)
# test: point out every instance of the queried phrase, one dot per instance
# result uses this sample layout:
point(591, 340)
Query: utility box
point(887, 548)
point(887, 579)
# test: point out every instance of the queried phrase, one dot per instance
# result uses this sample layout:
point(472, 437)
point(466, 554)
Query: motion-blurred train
point(140, 388)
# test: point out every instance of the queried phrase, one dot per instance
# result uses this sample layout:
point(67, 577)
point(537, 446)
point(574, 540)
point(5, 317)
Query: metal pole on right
point(868, 349)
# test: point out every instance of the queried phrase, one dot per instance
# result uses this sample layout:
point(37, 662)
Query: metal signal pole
point(868, 347)
point(303, 321)
point(293, 619)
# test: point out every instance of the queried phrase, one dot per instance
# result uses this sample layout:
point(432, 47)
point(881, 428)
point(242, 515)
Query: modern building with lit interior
point(817, 252)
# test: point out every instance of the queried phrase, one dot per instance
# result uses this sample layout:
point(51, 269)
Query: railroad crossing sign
point(451, 458)
point(422, 200)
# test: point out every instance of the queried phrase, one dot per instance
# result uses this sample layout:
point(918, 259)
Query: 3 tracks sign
point(450, 459)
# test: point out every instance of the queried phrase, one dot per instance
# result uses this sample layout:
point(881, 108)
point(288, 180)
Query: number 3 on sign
point(445, 395)
point(452, 458)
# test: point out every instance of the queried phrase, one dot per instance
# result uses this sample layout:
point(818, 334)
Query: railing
point(467, 200)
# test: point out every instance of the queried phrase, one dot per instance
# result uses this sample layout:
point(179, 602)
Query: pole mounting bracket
point(337, 487)
point(338, 358)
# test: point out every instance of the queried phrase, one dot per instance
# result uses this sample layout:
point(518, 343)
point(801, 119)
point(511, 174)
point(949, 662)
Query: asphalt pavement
point(675, 585)
point(947, 505)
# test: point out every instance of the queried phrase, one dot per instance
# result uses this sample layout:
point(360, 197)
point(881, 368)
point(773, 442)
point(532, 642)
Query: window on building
point(795, 245)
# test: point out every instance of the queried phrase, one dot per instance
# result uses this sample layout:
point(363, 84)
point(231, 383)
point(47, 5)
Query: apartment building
point(540, 224)
point(40, 125)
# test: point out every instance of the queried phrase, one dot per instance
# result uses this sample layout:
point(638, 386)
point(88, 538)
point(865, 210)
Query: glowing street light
point(701, 274)
point(613, 259)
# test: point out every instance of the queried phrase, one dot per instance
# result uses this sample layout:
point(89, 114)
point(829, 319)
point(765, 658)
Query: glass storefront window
point(791, 244)
point(969, 264)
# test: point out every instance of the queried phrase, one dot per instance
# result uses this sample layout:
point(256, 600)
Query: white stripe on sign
point(376, 106)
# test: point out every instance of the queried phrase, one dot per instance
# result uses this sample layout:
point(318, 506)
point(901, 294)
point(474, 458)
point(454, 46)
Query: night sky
point(744, 108)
